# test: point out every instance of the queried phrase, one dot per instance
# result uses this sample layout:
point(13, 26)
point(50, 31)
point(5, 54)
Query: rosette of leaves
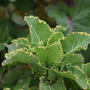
point(73, 18)
point(50, 57)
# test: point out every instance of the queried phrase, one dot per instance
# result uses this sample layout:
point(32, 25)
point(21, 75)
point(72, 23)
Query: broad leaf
point(76, 59)
point(59, 85)
point(60, 16)
point(75, 42)
point(52, 53)
point(40, 31)
point(73, 73)
point(28, 57)
point(75, 19)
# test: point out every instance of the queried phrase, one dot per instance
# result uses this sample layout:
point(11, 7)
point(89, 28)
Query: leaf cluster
point(47, 56)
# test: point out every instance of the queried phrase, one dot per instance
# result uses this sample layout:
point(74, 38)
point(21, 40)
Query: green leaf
point(75, 19)
point(52, 53)
point(40, 31)
point(10, 54)
point(25, 87)
point(28, 57)
point(76, 59)
point(86, 69)
point(2, 47)
point(59, 12)
point(59, 85)
point(89, 84)
point(13, 47)
point(14, 75)
point(11, 62)
point(20, 41)
point(33, 88)
point(55, 38)
point(73, 73)
point(24, 82)
point(18, 19)
point(75, 42)
point(58, 28)
point(6, 89)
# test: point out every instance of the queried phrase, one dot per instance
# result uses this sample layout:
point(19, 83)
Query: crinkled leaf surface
point(59, 85)
point(55, 37)
point(76, 59)
point(75, 42)
point(40, 31)
point(75, 19)
point(52, 53)
point(73, 73)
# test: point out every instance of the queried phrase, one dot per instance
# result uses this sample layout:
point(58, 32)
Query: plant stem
point(70, 23)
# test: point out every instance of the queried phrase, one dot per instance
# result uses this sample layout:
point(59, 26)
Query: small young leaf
point(20, 41)
point(40, 31)
point(55, 38)
point(58, 28)
point(13, 47)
